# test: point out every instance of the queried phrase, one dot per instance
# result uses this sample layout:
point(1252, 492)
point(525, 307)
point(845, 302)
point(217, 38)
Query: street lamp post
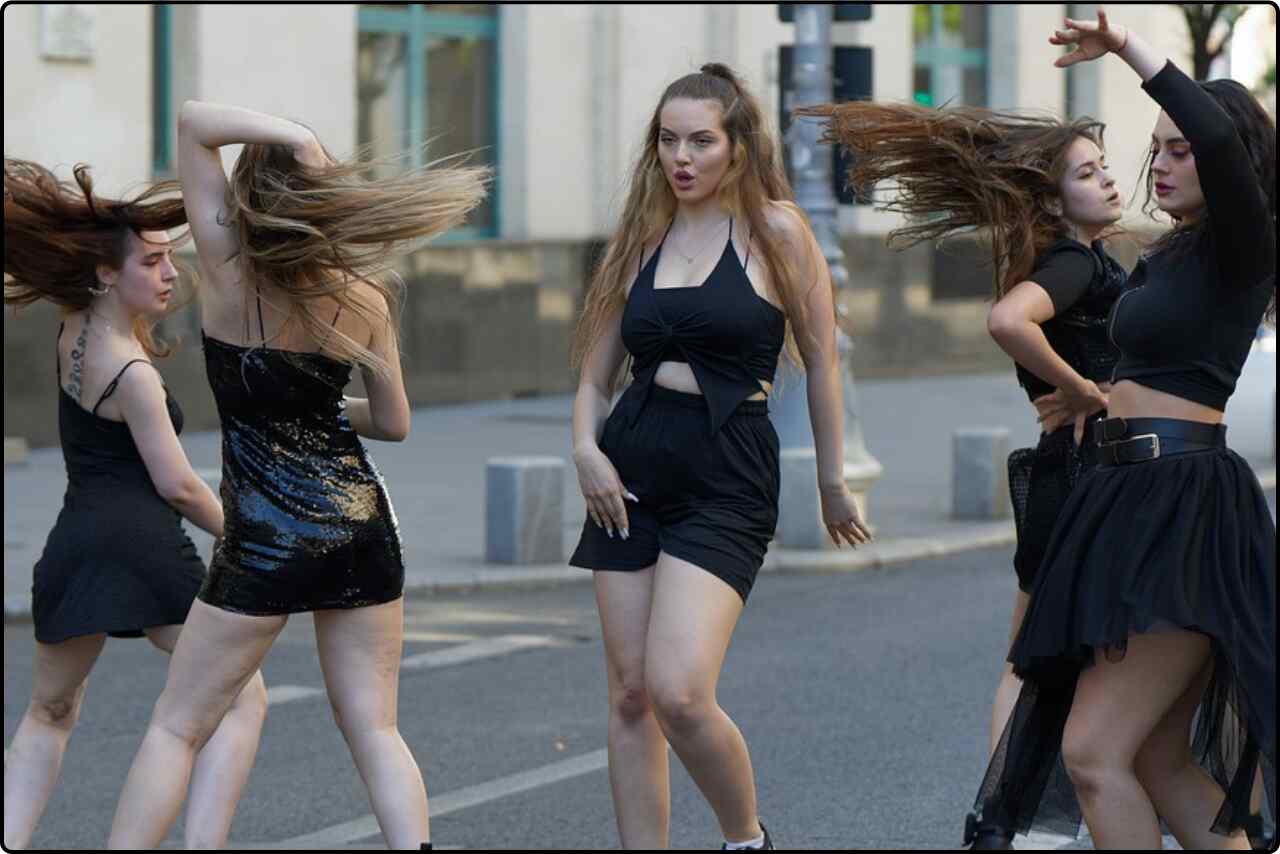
point(811, 171)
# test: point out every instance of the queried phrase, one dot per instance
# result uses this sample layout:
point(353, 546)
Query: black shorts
point(709, 500)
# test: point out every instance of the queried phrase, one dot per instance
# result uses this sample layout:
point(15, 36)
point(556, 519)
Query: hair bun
point(719, 69)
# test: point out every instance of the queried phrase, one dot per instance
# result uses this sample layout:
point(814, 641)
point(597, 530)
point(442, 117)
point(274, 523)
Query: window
point(950, 54)
point(162, 128)
point(428, 73)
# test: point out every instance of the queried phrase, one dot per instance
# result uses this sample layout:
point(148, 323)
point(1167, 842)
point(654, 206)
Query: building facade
point(556, 98)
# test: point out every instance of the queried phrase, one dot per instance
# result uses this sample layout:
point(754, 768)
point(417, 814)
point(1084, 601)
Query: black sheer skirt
point(1181, 542)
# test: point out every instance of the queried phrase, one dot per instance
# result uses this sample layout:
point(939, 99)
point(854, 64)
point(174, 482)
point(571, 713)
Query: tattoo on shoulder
point(77, 359)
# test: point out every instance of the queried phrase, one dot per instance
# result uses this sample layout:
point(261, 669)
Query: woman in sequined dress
point(117, 562)
point(1040, 186)
point(294, 250)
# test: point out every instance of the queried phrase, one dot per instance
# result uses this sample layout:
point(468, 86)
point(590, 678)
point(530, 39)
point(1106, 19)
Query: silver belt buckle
point(1155, 443)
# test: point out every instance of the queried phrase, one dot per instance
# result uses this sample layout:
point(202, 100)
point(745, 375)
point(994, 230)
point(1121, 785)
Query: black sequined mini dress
point(308, 522)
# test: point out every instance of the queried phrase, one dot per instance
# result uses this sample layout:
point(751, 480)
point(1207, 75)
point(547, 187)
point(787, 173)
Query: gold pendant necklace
point(688, 259)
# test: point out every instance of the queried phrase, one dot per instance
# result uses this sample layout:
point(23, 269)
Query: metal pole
point(811, 171)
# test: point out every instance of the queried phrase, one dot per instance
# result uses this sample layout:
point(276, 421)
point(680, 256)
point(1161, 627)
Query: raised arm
point(815, 334)
point(202, 129)
point(1243, 229)
point(142, 403)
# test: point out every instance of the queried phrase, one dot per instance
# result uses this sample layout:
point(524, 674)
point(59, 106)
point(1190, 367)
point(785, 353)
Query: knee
point(1089, 764)
point(629, 702)
point(184, 725)
point(59, 713)
point(680, 709)
point(1154, 767)
point(252, 699)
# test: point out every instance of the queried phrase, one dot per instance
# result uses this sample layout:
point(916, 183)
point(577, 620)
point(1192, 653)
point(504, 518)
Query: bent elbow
point(1002, 325)
point(393, 430)
point(179, 493)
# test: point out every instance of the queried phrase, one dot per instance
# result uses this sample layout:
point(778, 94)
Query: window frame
point(933, 56)
point(417, 23)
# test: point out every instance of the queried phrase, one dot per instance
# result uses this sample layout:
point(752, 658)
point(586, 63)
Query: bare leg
point(217, 653)
point(360, 656)
point(1182, 792)
point(639, 776)
point(1118, 705)
point(31, 765)
point(1009, 686)
point(693, 617)
point(222, 766)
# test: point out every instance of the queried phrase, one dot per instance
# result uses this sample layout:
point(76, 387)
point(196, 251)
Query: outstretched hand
point(1092, 39)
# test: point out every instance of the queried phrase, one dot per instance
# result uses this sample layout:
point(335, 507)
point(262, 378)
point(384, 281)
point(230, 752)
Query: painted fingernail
point(626, 535)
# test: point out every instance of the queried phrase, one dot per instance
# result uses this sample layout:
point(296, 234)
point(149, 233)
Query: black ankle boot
point(1259, 839)
point(984, 834)
point(426, 846)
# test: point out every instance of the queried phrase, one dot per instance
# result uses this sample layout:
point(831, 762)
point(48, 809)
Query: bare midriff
point(1128, 399)
point(678, 376)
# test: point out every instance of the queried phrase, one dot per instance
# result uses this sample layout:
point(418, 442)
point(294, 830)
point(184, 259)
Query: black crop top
point(1083, 283)
point(728, 334)
point(1185, 324)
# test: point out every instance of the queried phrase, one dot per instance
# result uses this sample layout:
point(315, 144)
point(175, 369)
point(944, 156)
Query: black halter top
point(728, 334)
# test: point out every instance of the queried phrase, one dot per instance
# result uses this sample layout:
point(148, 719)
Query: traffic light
point(851, 81)
point(842, 12)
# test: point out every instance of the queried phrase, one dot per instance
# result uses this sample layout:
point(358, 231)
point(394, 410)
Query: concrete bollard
point(524, 510)
point(979, 473)
point(799, 510)
point(15, 451)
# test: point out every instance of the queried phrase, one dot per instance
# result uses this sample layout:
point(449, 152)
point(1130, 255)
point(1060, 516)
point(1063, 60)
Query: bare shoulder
point(370, 298)
point(787, 220)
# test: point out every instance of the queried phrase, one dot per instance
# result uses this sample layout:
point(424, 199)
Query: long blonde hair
point(314, 233)
point(755, 179)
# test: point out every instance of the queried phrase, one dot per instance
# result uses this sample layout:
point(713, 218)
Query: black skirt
point(1040, 479)
point(1182, 542)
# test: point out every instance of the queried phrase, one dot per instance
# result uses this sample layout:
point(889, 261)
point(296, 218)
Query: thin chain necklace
point(688, 259)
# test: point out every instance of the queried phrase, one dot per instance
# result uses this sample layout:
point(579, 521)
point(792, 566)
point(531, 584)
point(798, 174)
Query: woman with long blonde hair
point(117, 562)
point(681, 477)
point(294, 250)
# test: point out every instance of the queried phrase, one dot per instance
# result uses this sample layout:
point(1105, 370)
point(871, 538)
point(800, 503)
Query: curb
point(982, 535)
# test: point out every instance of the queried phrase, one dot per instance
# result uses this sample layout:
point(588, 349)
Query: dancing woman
point(1148, 649)
point(117, 562)
point(294, 251)
point(681, 478)
point(1041, 189)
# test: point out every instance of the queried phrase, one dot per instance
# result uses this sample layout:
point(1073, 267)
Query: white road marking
point(486, 648)
point(277, 694)
point(442, 805)
point(460, 654)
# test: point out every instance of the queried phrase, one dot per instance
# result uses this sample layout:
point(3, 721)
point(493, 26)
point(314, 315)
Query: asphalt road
point(864, 698)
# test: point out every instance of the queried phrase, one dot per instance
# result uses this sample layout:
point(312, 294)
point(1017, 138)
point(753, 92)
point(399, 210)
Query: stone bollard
point(799, 510)
point(524, 510)
point(979, 473)
point(15, 451)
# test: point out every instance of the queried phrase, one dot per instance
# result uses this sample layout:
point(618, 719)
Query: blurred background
point(556, 97)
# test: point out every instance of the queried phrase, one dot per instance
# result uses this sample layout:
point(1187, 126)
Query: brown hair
point(754, 179)
point(961, 168)
point(56, 233)
point(313, 233)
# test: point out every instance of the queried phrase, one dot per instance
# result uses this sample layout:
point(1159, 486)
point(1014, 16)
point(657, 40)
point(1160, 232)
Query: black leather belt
point(1135, 440)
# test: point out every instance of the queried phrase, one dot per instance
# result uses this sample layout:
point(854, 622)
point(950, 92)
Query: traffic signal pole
point(810, 167)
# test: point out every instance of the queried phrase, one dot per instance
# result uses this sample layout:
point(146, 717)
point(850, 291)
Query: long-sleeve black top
point(1186, 322)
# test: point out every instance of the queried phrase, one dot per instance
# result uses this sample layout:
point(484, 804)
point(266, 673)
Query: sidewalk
point(436, 478)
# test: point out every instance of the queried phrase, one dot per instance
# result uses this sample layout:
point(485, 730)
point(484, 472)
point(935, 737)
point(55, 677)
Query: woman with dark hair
point(295, 251)
point(681, 477)
point(1039, 187)
point(117, 562)
point(1148, 650)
